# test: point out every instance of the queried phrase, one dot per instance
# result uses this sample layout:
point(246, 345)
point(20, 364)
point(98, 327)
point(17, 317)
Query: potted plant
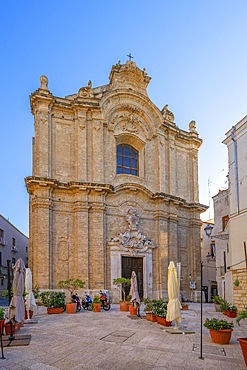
point(149, 306)
point(128, 298)
point(71, 285)
point(96, 303)
point(6, 293)
point(2, 315)
point(7, 328)
point(220, 330)
point(36, 293)
point(160, 310)
point(53, 301)
point(243, 341)
point(232, 311)
point(122, 283)
point(224, 306)
point(217, 302)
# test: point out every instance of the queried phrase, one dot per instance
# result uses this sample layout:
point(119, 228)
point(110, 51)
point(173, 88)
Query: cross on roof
point(130, 56)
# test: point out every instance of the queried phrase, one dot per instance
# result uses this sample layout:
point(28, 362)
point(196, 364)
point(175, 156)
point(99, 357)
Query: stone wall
point(240, 291)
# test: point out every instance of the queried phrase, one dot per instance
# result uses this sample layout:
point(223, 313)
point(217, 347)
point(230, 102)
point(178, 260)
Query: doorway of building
point(205, 290)
point(214, 290)
point(130, 264)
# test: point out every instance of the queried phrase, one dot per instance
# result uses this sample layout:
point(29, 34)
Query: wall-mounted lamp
point(208, 230)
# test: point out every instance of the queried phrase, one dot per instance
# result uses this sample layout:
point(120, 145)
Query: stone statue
point(133, 219)
point(44, 82)
point(167, 114)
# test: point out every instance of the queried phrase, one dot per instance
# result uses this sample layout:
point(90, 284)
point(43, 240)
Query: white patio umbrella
point(16, 309)
point(173, 306)
point(135, 298)
point(30, 300)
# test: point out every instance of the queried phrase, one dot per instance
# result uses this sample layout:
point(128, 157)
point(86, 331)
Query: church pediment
point(129, 76)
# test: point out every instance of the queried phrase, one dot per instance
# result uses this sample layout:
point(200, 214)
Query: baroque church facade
point(114, 188)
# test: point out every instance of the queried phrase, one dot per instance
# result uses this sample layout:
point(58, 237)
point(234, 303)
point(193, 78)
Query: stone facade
point(80, 205)
point(236, 140)
point(221, 237)
point(13, 245)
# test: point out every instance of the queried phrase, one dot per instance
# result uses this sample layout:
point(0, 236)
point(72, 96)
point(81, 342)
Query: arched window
point(127, 160)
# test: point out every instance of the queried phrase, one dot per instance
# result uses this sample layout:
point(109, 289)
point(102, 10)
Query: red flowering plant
point(217, 324)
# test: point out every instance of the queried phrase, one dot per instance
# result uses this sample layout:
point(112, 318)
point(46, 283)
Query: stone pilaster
point(81, 233)
point(161, 256)
point(97, 247)
point(41, 246)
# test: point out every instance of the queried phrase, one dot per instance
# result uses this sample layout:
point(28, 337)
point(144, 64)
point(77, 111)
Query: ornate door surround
point(131, 243)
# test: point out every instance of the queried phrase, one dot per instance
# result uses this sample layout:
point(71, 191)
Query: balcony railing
point(14, 248)
point(3, 241)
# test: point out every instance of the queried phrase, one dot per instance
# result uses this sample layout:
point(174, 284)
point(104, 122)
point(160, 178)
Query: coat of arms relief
point(132, 239)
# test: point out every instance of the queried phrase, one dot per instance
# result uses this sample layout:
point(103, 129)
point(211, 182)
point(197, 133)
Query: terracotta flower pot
point(96, 307)
point(231, 314)
point(221, 336)
point(132, 310)
point(243, 344)
point(124, 306)
point(7, 329)
point(185, 307)
point(151, 317)
point(1, 325)
point(162, 321)
point(30, 314)
point(51, 310)
point(71, 308)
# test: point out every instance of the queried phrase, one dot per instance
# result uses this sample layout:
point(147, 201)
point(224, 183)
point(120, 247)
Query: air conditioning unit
point(3, 241)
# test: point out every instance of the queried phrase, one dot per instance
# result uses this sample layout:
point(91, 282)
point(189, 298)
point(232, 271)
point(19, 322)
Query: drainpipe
point(235, 166)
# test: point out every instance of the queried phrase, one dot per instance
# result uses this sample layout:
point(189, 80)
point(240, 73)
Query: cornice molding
point(33, 181)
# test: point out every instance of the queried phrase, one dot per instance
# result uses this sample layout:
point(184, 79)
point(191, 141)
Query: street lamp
point(208, 230)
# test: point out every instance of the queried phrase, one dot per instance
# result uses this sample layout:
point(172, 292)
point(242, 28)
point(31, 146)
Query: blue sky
point(194, 50)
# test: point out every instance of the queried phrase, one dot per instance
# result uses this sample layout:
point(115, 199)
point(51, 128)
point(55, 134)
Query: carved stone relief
point(167, 114)
point(41, 117)
point(87, 91)
point(192, 126)
point(132, 239)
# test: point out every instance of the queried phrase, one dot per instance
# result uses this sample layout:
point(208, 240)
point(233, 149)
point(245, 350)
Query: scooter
point(104, 299)
point(76, 299)
point(86, 302)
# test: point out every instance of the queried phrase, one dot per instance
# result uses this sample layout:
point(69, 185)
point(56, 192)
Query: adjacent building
point(208, 258)
point(13, 245)
point(221, 237)
point(114, 187)
point(236, 227)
